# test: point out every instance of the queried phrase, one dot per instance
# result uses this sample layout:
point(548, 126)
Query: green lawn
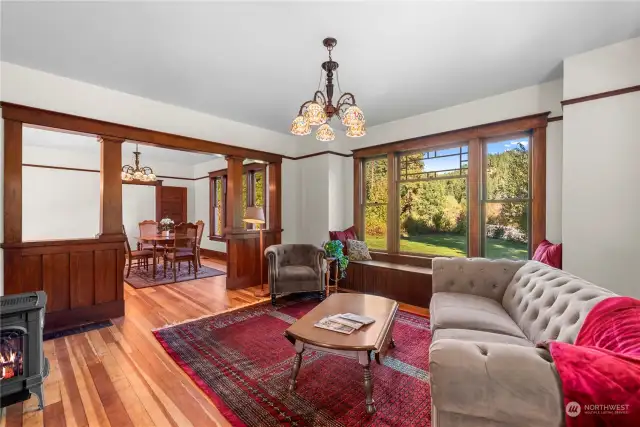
point(446, 244)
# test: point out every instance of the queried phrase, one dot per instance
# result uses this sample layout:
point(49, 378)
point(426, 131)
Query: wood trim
point(233, 205)
point(357, 195)
point(69, 122)
point(110, 186)
point(538, 187)
point(275, 195)
point(601, 95)
point(156, 183)
point(393, 236)
point(210, 253)
point(65, 168)
point(320, 153)
point(554, 119)
point(474, 183)
point(12, 181)
point(502, 127)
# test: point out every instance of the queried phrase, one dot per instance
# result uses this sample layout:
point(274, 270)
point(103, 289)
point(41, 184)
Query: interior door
point(171, 202)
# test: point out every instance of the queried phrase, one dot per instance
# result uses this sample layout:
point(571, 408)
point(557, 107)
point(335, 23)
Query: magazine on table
point(344, 323)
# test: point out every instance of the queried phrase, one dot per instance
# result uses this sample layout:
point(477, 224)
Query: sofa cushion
point(550, 304)
point(548, 253)
point(477, 276)
point(451, 310)
point(296, 273)
point(343, 236)
point(479, 337)
point(500, 384)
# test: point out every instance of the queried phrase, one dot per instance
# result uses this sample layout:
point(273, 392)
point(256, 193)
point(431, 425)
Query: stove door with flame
point(11, 353)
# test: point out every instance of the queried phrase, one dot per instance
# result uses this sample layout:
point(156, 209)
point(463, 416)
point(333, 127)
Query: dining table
point(160, 239)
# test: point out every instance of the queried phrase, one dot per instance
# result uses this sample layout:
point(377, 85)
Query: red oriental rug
point(242, 361)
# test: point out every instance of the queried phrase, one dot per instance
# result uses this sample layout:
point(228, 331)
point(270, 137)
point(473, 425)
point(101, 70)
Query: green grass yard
point(447, 244)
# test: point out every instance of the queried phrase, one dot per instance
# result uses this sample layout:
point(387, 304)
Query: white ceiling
point(256, 63)
point(82, 143)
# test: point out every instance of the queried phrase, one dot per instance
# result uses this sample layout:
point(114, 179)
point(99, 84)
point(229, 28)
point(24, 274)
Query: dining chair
point(200, 224)
point(184, 248)
point(149, 227)
point(141, 255)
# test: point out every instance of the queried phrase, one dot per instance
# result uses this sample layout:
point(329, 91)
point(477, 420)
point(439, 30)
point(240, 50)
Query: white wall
point(202, 199)
point(138, 204)
point(66, 203)
point(322, 175)
point(35, 88)
point(601, 149)
point(554, 182)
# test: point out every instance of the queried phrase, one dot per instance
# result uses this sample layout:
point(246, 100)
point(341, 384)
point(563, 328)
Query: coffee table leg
point(392, 344)
point(297, 360)
point(363, 359)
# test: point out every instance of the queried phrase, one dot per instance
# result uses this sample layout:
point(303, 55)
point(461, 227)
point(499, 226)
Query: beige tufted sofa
point(486, 317)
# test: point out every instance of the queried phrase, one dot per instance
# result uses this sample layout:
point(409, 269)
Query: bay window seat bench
point(410, 284)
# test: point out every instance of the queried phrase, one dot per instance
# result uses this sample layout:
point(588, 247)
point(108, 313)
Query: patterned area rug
point(141, 278)
point(241, 360)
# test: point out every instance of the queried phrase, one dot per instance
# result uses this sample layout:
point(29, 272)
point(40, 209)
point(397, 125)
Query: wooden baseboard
point(209, 253)
point(64, 319)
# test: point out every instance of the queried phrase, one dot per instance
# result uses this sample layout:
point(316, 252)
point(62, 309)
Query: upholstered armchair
point(295, 268)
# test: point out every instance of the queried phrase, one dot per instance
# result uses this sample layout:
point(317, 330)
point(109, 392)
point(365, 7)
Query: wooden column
point(538, 186)
point(393, 221)
point(12, 181)
point(275, 196)
point(474, 183)
point(234, 194)
point(110, 186)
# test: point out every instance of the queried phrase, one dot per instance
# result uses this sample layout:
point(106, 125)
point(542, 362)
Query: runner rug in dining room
point(242, 361)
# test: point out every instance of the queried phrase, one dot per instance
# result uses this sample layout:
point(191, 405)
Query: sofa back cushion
point(476, 276)
point(550, 304)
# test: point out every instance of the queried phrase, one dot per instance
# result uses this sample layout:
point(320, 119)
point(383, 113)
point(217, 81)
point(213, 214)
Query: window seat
point(401, 282)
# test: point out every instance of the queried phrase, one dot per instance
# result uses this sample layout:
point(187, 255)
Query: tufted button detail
point(494, 285)
point(483, 350)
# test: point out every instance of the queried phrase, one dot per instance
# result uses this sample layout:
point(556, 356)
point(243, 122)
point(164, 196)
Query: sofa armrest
point(477, 276)
point(509, 384)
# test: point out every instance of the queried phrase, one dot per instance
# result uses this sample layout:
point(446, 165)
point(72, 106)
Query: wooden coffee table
point(363, 345)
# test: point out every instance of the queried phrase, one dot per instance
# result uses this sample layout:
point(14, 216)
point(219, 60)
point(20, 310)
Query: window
point(218, 197)
point(433, 202)
point(375, 203)
point(478, 191)
point(253, 194)
point(506, 202)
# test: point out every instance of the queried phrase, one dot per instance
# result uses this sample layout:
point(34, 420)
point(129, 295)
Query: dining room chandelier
point(320, 110)
point(137, 173)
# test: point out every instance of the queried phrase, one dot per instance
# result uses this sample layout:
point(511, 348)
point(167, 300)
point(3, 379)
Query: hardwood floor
point(121, 376)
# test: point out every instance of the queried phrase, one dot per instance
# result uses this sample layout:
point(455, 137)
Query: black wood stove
point(24, 366)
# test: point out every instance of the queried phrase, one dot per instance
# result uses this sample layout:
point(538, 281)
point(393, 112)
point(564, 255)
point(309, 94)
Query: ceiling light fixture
point(319, 110)
point(137, 173)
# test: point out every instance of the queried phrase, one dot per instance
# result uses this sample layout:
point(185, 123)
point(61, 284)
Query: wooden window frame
point(484, 200)
point(248, 173)
point(475, 138)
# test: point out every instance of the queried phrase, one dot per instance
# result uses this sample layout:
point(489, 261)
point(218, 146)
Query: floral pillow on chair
point(358, 250)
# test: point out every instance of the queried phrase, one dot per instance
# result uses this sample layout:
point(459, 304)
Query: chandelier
point(319, 111)
point(137, 173)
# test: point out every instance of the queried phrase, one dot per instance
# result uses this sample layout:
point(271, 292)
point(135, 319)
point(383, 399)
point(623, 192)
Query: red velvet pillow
point(343, 236)
point(549, 254)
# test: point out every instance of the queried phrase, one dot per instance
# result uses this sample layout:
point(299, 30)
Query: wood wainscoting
point(243, 257)
point(83, 278)
point(409, 284)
